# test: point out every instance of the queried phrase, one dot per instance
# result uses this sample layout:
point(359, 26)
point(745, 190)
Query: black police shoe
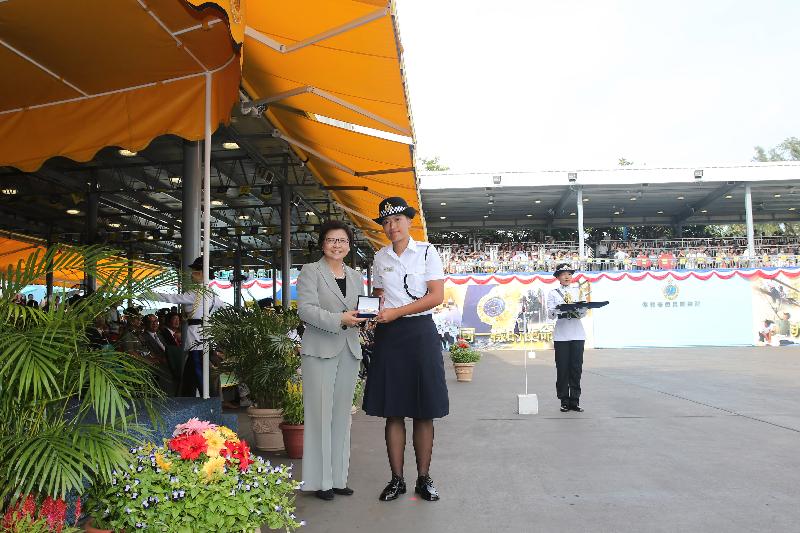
point(564, 408)
point(426, 489)
point(347, 491)
point(576, 408)
point(395, 488)
point(326, 495)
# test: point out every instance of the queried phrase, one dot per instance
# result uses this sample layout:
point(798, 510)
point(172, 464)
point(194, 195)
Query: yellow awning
point(130, 70)
point(314, 60)
point(14, 249)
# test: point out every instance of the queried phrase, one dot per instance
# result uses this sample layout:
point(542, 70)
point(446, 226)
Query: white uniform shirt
point(389, 270)
point(192, 339)
point(567, 329)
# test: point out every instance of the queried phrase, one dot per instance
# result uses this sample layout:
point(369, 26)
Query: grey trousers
point(328, 387)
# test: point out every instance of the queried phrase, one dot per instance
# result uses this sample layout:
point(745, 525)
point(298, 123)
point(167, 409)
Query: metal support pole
point(130, 271)
point(748, 207)
point(581, 236)
point(206, 228)
point(286, 246)
point(190, 201)
point(92, 206)
point(237, 274)
point(49, 276)
point(369, 279)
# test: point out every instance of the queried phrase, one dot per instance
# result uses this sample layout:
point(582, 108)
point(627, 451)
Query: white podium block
point(527, 404)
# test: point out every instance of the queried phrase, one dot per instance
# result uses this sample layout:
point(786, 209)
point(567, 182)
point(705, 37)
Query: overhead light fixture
point(216, 202)
point(442, 218)
point(728, 196)
point(179, 246)
point(244, 217)
point(310, 213)
point(10, 191)
point(792, 208)
point(127, 153)
point(616, 212)
point(148, 206)
point(149, 237)
point(114, 224)
point(537, 201)
point(633, 198)
point(776, 195)
point(704, 211)
point(485, 216)
point(73, 212)
point(443, 203)
point(698, 174)
point(660, 212)
point(680, 197)
point(175, 180)
point(528, 215)
point(572, 214)
point(491, 202)
point(230, 146)
point(585, 199)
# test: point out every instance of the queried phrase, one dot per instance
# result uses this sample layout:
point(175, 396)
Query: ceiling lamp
point(127, 153)
point(73, 212)
point(10, 191)
point(230, 146)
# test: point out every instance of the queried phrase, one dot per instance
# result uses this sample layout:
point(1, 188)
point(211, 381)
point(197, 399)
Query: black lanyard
point(405, 279)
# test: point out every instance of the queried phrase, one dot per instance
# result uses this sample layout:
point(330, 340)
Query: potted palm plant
point(261, 354)
point(293, 418)
point(464, 359)
point(68, 413)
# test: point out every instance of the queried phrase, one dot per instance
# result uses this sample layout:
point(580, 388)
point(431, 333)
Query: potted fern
point(464, 359)
point(68, 413)
point(260, 352)
point(293, 418)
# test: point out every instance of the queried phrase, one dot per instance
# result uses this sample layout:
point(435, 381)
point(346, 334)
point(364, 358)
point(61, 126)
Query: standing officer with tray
point(568, 338)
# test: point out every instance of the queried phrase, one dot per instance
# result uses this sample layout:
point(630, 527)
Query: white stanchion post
point(206, 230)
point(527, 404)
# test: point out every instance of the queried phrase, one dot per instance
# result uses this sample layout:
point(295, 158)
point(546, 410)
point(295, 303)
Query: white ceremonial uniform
point(389, 271)
point(566, 329)
point(192, 340)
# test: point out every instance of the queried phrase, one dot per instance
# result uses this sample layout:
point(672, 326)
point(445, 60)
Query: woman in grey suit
point(327, 292)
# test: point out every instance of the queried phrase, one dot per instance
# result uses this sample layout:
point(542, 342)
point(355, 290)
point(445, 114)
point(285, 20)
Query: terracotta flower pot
point(89, 528)
point(265, 424)
point(464, 371)
point(293, 440)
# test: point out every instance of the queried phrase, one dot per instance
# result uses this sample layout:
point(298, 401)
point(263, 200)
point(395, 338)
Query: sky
point(519, 85)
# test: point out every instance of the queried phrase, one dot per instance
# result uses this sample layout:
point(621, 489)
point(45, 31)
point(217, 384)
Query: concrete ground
point(702, 439)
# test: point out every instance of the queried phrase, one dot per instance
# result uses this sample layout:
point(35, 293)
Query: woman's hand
point(351, 320)
point(387, 315)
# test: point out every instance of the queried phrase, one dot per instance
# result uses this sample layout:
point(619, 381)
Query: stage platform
point(692, 439)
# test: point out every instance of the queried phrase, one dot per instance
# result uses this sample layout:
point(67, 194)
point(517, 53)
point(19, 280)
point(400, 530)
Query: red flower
point(19, 510)
point(239, 451)
point(77, 510)
point(188, 446)
point(55, 511)
point(463, 345)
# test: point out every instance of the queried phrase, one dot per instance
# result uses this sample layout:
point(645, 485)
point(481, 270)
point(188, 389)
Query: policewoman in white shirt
point(406, 375)
point(568, 338)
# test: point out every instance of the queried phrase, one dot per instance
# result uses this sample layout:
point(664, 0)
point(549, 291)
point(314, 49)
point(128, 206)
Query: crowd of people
point(620, 255)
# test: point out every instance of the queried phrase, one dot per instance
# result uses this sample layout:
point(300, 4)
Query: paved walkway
point(704, 439)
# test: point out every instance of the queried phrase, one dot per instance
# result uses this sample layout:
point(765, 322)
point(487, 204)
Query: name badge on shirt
point(388, 269)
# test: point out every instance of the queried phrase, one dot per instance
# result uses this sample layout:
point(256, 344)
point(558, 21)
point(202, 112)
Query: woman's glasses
point(331, 240)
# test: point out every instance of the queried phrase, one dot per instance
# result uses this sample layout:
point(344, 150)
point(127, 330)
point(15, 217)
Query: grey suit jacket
point(320, 305)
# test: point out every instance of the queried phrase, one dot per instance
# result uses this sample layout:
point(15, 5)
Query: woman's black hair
point(330, 225)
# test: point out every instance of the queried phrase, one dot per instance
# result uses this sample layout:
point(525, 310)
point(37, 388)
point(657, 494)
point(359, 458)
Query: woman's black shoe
point(326, 495)
point(395, 488)
point(347, 491)
point(426, 489)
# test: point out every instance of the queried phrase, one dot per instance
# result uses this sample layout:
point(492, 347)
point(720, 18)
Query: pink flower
point(193, 426)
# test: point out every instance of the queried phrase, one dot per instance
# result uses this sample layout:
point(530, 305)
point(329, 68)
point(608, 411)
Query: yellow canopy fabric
point(341, 60)
point(130, 70)
point(14, 249)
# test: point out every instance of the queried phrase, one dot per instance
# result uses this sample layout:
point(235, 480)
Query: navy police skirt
point(406, 373)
